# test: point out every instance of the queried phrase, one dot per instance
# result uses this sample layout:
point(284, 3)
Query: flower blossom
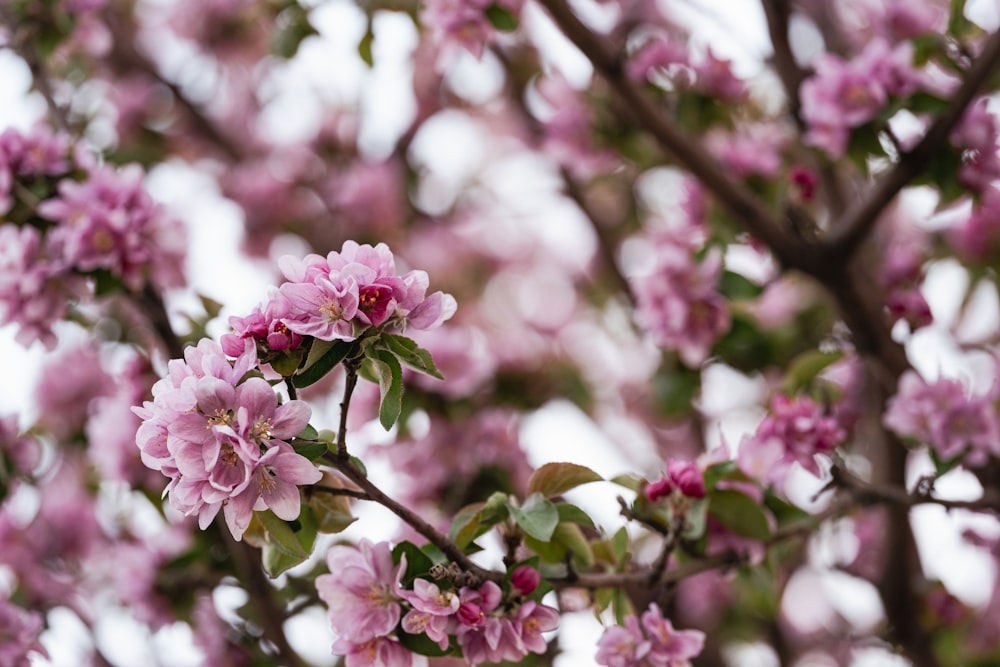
point(678, 302)
point(340, 296)
point(976, 136)
point(796, 431)
point(19, 632)
point(947, 416)
point(649, 641)
point(221, 440)
point(843, 94)
point(362, 592)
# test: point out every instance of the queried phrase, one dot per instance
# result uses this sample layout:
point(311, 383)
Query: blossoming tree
point(724, 267)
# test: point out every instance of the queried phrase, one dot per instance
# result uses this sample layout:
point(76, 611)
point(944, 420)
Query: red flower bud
point(525, 579)
point(658, 489)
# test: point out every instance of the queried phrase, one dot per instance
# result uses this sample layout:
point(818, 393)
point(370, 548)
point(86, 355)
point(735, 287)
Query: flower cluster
point(19, 632)
point(221, 439)
point(976, 136)
point(372, 613)
point(947, 417)
point(649, 641)
point(678, 303)
point(795, 431)
point(466, 24)
point(66, 217)
point(845, 94)
point(339, 297)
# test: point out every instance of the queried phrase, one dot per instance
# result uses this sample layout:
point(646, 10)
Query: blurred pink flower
point(361, 592)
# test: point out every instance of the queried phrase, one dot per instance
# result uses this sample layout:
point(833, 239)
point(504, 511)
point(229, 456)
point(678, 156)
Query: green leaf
point(619, 542)
point(739, 513)
point(465, 524)
point(418, 563)
point(287, 543)
point(695, 520)
point(308, 433)
point(717, 472)
point(805, 367)
point(630, 482)
point(332, 512)
point(365, 46)
point(501, 18)
point(736, 286)
point(572, 514)
point(537, 517)
point(286, 363)
point(571, 536)
point(411, 354)
point(554, 479)
point(310, 449)
point(390, 385)
point(323, 356)
point(422, 644)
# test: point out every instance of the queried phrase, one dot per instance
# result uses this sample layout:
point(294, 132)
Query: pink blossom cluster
point(649, 641)
point(102, 222)
point(976, 136)
point(221, 439)
point(20, 453)
point(686, 477)
point(976, 236)
point(19, 632)
point(339, 297)
point(947, 416)
point(678, 302)
point(845, 94)
point(663, 58)
point(464, 23)
point(795, 431)
point(369, 608)
point(902, 272)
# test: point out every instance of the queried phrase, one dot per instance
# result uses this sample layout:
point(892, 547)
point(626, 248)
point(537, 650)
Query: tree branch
point(742, 204)
point(858, 221)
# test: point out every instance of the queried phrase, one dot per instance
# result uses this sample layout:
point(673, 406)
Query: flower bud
point(658, 489)
point(688, 478)
point(470, 614)
point(525, 579)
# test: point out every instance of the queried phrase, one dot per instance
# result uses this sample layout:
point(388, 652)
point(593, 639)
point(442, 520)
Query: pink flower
point(530, 621)
point(338, 297)
point(265, 326)
point(623, 646)
point(678, 302)
point(223, 443)
point(361, 591)
point(796, 431)
point(977, 235)
point(432, 611)
point(946, 416)
point(377, 652)
point(654, 643)
point(976, 137)
point(109, 222)
point(34, 289)
point(670, 647)
point(846, 94)
point(19, 635)
point(525, 579)
point(685, 476)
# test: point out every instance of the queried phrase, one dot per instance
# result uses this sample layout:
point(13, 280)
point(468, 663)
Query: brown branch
point(23, 43)
point(261, 593)
point(870, 493)
point(791, 75)
point(742, 204)
point(858, 221)
point(411, 518)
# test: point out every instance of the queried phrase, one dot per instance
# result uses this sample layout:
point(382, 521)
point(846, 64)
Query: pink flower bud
point(688, 478)
point(525, 579)
point(658, 489)
point(470, 614)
